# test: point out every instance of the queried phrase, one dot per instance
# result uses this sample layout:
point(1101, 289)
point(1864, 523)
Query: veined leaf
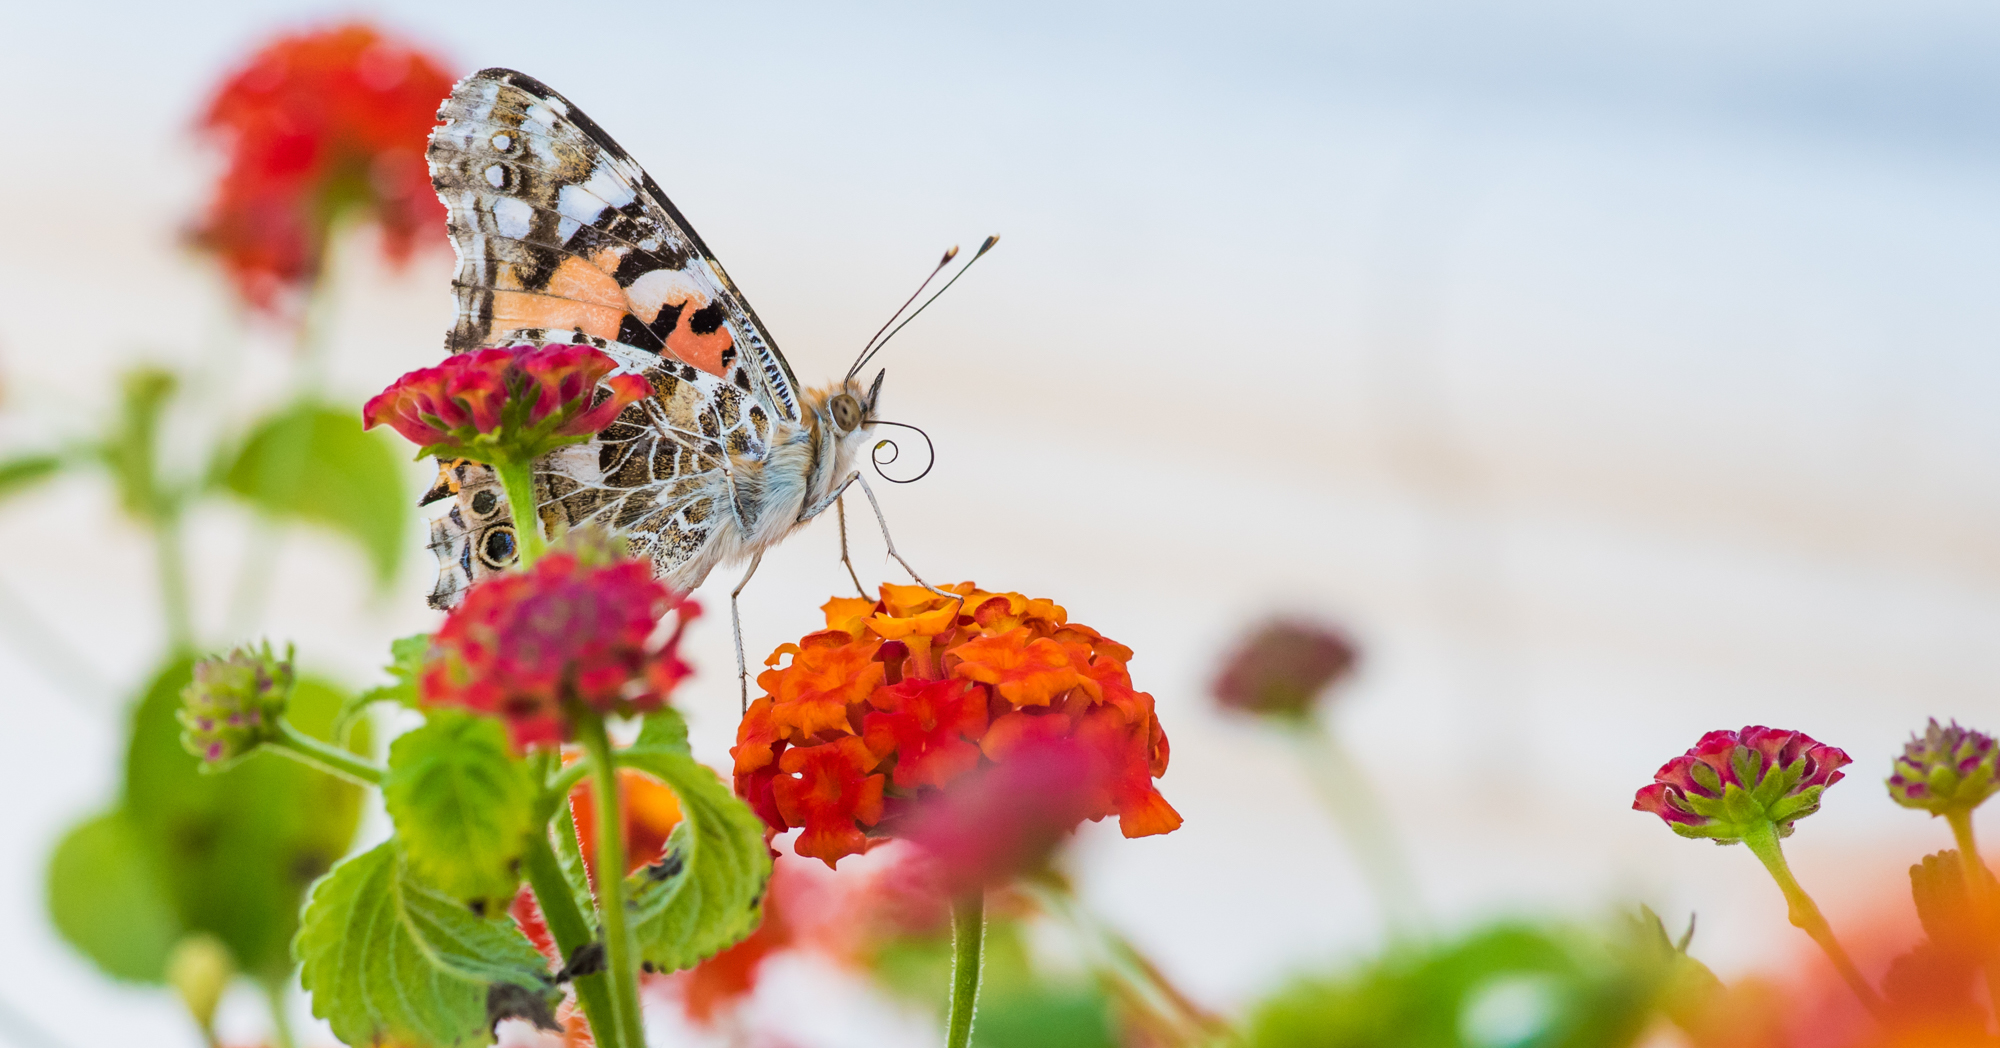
point(314, 463)
point(390, 959)
point(406, 664)
point(463, 805)
point(707, 893)
point(106, 901)
point(663, 729)
point(235, 851)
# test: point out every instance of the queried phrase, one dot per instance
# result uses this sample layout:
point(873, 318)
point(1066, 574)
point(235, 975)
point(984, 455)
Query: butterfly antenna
point(976, 256)
point(863, 355)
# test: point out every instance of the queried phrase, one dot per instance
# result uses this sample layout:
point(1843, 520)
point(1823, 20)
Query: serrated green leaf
point(314, 463)
point(235, 851)
point(106, 902)
point(664, 729)
point(406, 665)
point(388, 958)
point(707, 893)
point(463, 805)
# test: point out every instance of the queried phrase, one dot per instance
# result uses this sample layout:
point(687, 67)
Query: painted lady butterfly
point(561, 237)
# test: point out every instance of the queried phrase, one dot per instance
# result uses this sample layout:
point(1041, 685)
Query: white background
point(1616, 371)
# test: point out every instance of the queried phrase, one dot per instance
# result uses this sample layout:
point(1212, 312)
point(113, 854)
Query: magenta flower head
point(1945, 770)
point(1735, 781)
point(506, 403)
point(1283, 667)
point(233, 704)
point(1008, 818)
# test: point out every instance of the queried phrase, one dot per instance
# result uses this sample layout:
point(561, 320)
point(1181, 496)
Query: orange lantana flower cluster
point(904, 695)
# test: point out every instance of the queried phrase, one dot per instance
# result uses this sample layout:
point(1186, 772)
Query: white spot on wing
point(496, 176)
point(503, 142)
point(564, 228)
point(605, 185)
point(579, 203)
point(661, 286)
point(513, 216)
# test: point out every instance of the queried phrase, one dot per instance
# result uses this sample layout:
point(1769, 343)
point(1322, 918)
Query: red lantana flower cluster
point(910, 692)
point(316, 125)
point(530, 646)
point(516, 402)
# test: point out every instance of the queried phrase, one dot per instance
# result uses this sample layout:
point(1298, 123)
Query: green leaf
point(108, 904)
point(313, 463)
point(390, 959)
point(463, 805)
point(707, 893)
point(20, 474)
point(664, 729)
point(236, 850)
point(406, 665)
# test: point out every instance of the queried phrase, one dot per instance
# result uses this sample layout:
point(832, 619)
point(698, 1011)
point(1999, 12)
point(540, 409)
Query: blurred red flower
point(1283, 667)
point(518, 402)
point(1006, 819)
point(527, 645)
point(318, 125)
point(912, 692)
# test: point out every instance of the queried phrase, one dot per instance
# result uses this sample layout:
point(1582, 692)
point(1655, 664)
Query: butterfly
point(561, 237)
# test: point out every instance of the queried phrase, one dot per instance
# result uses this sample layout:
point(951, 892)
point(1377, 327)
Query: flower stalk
point(325, 756)
point(1979, 888)
point(1762, 840)
point(518, 478)
point(968, 937)
point(620, 966)
point(571, 931)
point(1357, 811)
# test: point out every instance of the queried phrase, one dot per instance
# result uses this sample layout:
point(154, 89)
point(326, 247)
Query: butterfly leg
point(832, 498)
point(736, 623)
point(840, 511)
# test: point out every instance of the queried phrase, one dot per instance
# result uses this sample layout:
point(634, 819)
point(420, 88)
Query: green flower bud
point(233, 704)
point(1945, 770)
point(200, 969)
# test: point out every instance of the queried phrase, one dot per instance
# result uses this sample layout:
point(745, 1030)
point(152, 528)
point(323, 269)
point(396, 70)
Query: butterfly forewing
point(557, 228)
point(562, 238)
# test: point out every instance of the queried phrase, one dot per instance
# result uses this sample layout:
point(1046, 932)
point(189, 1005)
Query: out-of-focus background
point(1613, 371)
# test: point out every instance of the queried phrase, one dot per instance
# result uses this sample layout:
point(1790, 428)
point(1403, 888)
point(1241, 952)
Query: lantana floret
point(1283, 668)
point(511, 403)
point(577, 633)
point(234, 703)
point(1945, 770)
point(1734, 782)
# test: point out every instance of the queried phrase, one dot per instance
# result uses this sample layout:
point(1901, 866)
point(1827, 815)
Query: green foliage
point(109, 906)
point(664, 729)
point(23, 472)
point(406, 665)
point(706, 894)
point(314, 463)
point(463, 805)
point(1510, 986)
point(234, 852)
point(390, 959)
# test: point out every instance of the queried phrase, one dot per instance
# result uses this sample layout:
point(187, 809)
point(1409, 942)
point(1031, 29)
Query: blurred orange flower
point(318, 125)
point(913, 691)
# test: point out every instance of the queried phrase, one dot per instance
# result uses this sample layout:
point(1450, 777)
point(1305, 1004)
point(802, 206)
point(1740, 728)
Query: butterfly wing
point(659, 474)
point(556, 228)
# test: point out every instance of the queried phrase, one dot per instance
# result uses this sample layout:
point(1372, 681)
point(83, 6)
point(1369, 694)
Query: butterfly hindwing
point(557, 228)
point(660, 474)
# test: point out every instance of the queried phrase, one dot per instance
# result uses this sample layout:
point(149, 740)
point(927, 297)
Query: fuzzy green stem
point(1979, 888)
point(620, 966)
point(968, 935)
point(571, 931)
point(325, 756)
point(518, 478)
point(1804, 913)
point(1357, 811)
point(281, 1023)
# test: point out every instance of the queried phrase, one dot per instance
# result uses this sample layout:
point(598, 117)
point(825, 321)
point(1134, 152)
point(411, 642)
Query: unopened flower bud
point(1733, 781)
point(234, 702)
point(1283, 667)
point(200, 969)
point(1945, 770)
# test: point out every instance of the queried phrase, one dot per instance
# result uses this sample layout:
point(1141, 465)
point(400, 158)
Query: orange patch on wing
point(580, 281)
point(521, 309)
point(703, 351)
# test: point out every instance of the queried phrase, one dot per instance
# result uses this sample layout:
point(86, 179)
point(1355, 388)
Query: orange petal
point(846, 613)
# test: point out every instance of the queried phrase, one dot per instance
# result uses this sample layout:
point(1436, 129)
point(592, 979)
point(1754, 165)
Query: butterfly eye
point(497, 548)
point(483, 501)
point(846, 412)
